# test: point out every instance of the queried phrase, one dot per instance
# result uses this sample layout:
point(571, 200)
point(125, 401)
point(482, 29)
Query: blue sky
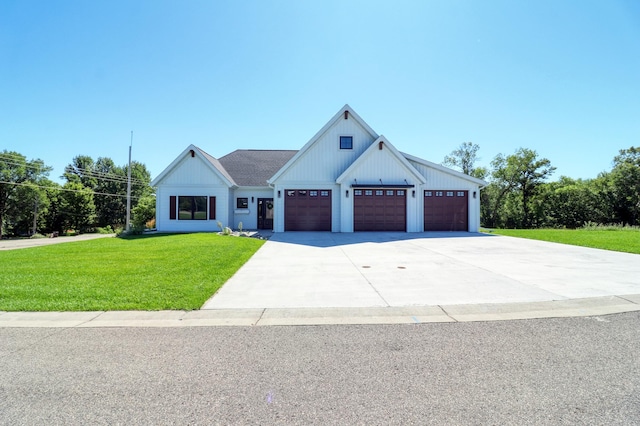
point(559, 77)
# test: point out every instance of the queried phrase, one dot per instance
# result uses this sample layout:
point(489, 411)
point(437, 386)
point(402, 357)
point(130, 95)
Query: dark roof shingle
point(252, 167)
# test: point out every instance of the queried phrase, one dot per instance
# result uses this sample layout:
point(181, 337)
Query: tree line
point(519, 194)
point(92, 196)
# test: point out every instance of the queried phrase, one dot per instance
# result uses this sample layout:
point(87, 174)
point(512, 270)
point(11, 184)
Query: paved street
point(580, 370)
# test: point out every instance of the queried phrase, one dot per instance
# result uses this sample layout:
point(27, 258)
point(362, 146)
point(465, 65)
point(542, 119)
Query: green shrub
point(106, 230)
point(592, 226)
point(133, 230)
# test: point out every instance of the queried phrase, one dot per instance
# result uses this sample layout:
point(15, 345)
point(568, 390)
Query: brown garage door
point(379, 209)
point(446, 210)
point(307, 210)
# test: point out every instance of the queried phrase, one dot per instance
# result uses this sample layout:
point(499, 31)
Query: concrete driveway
point(318, 269)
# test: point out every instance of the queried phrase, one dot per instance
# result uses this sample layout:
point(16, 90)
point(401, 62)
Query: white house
point(346, 178)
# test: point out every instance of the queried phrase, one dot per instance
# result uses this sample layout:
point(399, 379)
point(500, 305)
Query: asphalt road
point(549, 371)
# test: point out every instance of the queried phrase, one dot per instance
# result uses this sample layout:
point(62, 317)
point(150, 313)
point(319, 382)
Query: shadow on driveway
point(334, 239)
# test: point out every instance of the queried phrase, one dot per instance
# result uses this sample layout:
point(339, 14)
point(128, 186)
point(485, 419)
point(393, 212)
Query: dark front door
point(265, 213)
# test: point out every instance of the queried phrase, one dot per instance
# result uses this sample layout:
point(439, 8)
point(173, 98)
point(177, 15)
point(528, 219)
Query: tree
point(144, 211)
point(77, 209)
point(523, 172)
point(15, 172)
point(50, 218)
point(81, 169)
point(571, 203)
point(625, 185)
point(463, 158)
point(111, 209)
point(109, 184)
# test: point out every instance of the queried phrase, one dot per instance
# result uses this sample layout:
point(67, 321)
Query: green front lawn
point(150, 272)
point(616, 239)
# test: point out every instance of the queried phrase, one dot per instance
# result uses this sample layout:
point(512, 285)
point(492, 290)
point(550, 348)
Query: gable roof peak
point(340, 115)
point(208, 159)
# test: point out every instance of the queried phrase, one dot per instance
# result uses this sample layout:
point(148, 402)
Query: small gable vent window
point(346, 142)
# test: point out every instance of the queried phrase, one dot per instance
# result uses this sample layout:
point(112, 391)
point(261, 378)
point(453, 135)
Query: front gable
point(322, 159)
point(381, 164)
point(193, 167)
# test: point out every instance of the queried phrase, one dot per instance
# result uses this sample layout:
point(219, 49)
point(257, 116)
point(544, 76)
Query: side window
point(242, 203)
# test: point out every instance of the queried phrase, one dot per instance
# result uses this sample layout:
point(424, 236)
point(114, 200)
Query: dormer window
point(346, 142)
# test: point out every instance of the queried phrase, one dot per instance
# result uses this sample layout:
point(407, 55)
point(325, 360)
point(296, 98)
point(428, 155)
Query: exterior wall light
point(252, 199)
point(413, 193)
point(279, 194)
point(474, 194)
point(346, 193)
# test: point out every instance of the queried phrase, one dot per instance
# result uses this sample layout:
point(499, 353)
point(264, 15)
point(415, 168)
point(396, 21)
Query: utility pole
point(35, 216)
point(128, 226)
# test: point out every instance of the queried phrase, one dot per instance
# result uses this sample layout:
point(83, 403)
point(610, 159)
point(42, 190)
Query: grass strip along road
point(613, 238)
point(149, 272)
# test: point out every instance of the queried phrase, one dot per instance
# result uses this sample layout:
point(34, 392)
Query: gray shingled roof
point(216, 163)
point(252, 167)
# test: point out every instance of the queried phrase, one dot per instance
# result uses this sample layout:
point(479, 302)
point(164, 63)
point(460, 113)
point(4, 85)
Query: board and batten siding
point(181, 181)
point(249, 216)
point(324, 161)
point(278, 202)
point(163, 197)
point(438, 179)
point(381, 167)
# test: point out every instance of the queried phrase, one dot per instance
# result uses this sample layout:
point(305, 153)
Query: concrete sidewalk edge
point(594, 306)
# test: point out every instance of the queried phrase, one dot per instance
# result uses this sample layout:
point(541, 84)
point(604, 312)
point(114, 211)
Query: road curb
point(594, 306)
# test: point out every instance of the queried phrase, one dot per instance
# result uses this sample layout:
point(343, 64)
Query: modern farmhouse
point(346, 178)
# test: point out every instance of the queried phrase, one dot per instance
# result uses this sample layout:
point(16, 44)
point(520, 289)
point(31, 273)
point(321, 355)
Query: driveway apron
point(323, 269)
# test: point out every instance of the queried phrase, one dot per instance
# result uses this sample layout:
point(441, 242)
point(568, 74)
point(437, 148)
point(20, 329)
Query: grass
point(608, 238)
point(151, 272)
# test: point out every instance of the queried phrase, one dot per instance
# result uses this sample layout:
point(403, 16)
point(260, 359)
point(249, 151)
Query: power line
point(107, 176)
point(88, 173)
point(64, 189)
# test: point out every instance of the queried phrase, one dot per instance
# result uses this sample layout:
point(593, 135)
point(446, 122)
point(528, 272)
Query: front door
point(265, 213)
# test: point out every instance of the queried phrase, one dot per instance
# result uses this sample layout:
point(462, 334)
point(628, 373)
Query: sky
point(559, 77)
